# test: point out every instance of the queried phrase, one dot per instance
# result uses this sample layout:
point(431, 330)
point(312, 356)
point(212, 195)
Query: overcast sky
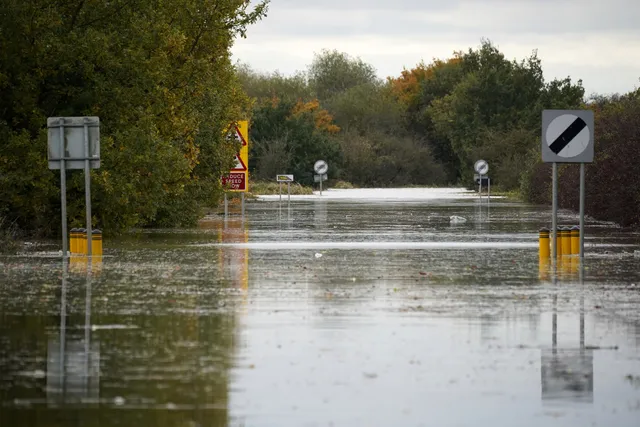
point(596, 41)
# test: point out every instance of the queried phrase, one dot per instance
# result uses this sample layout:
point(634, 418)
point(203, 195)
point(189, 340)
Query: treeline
point(428, 125)
point(159, 76)
point(425, 127)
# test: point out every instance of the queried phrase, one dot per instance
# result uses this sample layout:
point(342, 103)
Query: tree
point(300, 132)
point(333, 72)
point(158, 75)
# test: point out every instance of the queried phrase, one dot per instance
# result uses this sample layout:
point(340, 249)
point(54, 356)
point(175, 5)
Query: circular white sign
point(481, 167)
point(568, 136)
point(321, 167)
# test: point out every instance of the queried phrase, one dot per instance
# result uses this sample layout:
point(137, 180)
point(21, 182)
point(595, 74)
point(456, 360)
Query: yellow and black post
point(559, 232)
point(545, 248)
point(82, 241)
point(96, 240)
point(566, 241)
point(73, 241)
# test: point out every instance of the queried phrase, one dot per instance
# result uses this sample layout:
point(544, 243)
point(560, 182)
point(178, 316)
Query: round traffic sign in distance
point(481, 167)
point(320, 167)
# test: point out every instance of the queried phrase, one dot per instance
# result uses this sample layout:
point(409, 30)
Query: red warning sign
point(240, 166)
point(235, 181)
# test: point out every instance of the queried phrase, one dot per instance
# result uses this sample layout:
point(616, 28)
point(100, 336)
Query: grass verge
point(267, 188)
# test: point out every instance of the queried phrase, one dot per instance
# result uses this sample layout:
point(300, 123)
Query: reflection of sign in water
point(567, 374)
point(73, 371)
point(320, 214)
point(235, 262)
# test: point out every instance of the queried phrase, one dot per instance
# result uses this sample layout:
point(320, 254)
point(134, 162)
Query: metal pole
point(554, 212)
point(63, 322)
point(63, 192)
point(480, 187)
point(488, 189)
point(581, 278)
point(87, 186)
point(288, 201)
point(280, 191)
point(242, 203)
point(321, 185)
point(226, 205)
point(554, 316)
point(582, 197)
point(87, 326)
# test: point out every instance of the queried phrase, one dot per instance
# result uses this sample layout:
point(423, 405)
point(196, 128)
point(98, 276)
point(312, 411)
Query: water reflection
point(566, 372)
point(73, 358)
point(134, 364)
point(243, 322)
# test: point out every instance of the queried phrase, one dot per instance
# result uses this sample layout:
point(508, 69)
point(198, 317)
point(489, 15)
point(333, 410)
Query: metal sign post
point(554, 213)
point(482, 168)
point(321, 168)
point(74, 143)
point(288, 179)
point(63, 192)
point(87, 185)
point(582, 197)
point(567, 137)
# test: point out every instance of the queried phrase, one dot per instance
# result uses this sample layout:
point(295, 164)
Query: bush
point(612, 181)
point(266, 188)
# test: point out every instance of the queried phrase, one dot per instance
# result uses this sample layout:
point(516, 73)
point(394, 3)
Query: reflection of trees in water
point(165, 369)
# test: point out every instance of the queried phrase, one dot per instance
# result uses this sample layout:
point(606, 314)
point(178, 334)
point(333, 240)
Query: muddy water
point(357, 308)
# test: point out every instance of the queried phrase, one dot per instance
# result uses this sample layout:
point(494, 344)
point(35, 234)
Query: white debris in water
point(318, 255)
point(454, 219)
point(118, 401)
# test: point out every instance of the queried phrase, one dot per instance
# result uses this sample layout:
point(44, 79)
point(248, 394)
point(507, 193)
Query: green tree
point(292, 136)
point(333, 72)
point(495, 101)
point(158, 75)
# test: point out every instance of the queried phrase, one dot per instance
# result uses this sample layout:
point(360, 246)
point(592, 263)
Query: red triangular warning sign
point(240, 166)
point(235, 134)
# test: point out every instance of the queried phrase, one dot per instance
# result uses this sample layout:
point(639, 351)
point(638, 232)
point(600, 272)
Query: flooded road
point(357, 308)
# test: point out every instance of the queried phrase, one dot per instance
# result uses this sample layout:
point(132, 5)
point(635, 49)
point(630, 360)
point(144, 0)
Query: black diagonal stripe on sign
point(567, 136)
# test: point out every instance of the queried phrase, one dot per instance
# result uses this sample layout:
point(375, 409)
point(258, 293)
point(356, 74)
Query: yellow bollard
point(545, 249)
point(73, 239)
point(82, 241)
point(575, 240)
point(566, 241)
point(96, 243)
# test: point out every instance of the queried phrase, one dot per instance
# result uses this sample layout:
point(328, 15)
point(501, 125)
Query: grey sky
point(596, 41)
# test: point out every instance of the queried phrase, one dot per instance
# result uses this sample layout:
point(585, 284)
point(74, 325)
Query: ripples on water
point(361, 308)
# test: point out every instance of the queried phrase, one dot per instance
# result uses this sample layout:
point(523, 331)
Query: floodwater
point(354, 308)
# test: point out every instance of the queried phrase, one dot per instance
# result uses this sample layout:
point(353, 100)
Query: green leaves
point(157, 73)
